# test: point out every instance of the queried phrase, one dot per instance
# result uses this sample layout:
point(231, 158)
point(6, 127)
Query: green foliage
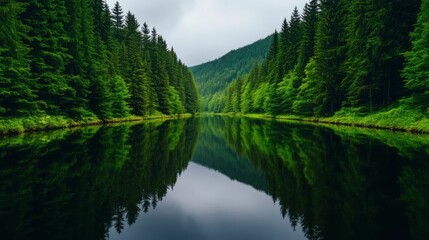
point(79, 60)
point(416, 71)
point(120, 96)
point(309, 25)
point(306, 98)
point(342, 54)
point(375, 42)
point(17, 92)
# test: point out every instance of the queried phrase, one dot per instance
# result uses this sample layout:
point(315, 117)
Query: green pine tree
point(330, 53)
point(416, 71)
point(48, 55)
point(308, 29)
point(17, 97)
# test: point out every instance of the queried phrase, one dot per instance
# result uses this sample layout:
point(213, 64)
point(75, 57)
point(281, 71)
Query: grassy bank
point(43, 123)
point(397, 119)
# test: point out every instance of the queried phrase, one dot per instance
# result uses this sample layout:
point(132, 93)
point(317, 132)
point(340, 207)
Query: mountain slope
point(214, 76)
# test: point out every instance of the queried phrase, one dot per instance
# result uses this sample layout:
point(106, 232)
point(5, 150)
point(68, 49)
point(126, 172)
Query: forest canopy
point(83, 60)
point(338, 56)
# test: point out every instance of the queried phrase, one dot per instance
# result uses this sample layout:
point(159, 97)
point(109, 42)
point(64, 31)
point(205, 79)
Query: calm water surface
point(214, 178)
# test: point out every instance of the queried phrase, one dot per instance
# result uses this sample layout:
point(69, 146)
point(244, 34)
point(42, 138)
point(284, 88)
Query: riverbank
point(396, 119)
point(45, 123)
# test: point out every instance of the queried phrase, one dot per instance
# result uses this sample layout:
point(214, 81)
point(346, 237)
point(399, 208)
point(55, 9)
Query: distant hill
point(214, 76)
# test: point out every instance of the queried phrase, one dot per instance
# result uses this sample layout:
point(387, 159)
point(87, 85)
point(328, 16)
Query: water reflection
point(135, 181)
point(340, 183)
point(77, 184)
point(218, 209)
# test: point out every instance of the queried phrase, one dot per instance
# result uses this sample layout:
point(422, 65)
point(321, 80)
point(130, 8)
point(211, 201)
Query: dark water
point(214, 178)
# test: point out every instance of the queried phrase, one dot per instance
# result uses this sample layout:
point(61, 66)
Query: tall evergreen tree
point(273, 105)
point(48, 40)
point(330, 53)
point(308, 30)
point(416, 71)
point(152, 104)
point(375, 40)
point(80, 68)
point(118, 20)
point(134, 71)
point(283, 44)
point(159, 73)
point(293, 41)
point(272, 59)
point(17, 96)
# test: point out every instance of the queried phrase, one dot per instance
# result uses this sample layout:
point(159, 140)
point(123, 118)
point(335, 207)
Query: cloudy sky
point(203, 30)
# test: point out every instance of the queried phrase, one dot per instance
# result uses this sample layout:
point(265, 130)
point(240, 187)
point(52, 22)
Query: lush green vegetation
point(336, 182)
point(79, 61)
point(78, 183)
point(213, 77)
point(356, 62)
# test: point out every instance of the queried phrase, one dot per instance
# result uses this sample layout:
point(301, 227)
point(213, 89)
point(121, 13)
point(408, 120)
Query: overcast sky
point(203, 30)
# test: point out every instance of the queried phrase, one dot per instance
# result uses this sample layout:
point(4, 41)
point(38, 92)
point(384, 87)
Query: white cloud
point(202, 30)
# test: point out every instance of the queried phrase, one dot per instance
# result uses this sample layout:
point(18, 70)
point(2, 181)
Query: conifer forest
point(341, 58)
point(167, 122)
point(82, 60)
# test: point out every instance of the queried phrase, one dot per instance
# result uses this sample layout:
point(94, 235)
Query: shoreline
point(16, 126)
point(349, 121)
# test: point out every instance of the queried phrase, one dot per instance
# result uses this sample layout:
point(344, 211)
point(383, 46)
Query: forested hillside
point(213, 77)
point(79, 59)
point(348, 58)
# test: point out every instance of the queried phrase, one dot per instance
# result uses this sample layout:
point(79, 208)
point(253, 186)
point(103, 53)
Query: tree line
point(81, 59)
point(357, 55)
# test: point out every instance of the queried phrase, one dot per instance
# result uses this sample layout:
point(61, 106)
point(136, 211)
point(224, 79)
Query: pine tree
point(152, 103)
point(120, 96)
point(80, 67)
point(308, 29)
point(272, 59)
point(287, 87)
point(416, 71)
point(293, 40)
point(159, 73)
point(118, 20)
point(101, 98)
point(375, 40)
point(17, 96)
point(191, 92)
point(330, 53)
point(273, 104)
point(48, 54)
point(306, 100)
point(136, 71)
point(284, 42)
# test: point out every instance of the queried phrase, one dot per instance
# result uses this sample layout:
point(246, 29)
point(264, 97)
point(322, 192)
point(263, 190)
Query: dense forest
point(82, 60)
point(355, 56)
point(213, 77)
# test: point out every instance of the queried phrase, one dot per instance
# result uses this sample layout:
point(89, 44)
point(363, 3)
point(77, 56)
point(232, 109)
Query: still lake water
point(214, 178)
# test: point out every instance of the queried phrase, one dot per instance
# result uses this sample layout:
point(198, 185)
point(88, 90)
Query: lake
point(215, 178)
